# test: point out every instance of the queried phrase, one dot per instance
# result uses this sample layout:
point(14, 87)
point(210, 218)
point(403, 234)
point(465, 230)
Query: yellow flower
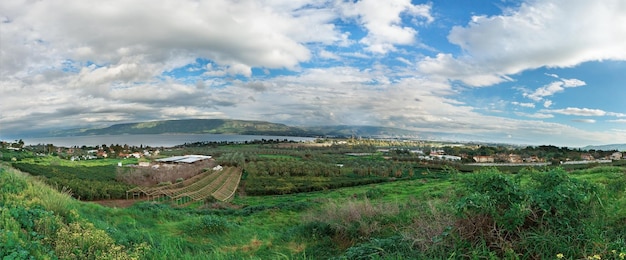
point(622, 255)
point(559, 255)
point(597, 257)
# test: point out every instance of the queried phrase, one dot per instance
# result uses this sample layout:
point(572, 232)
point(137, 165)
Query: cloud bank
point(79, 63)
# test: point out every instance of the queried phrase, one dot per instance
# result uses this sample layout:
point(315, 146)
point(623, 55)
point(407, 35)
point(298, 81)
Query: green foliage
point(10, 183)
point(380, 248)
point(83, 241)
point(11, 155)
point(87, 183)
point(209, 224)
point(236, 159)
point(552, 211)
point(433, 215)
point(36, 223)
point(24, 232)
point(560, 202)
point(374, 193)
point(496, 195)
point(270, 185)
point(354, 220)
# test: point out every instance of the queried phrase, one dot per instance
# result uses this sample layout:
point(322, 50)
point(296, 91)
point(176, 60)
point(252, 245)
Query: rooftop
point(184, 159)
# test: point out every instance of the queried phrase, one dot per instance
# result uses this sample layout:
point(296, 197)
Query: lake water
point(154, 140)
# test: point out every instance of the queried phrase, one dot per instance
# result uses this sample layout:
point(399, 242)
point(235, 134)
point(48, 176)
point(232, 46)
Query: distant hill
point(365, 131)
point(608, 147)
point(229, 126)
point(191, 126)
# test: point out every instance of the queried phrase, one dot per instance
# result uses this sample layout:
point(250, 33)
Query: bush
point(84, 241)
point(11, 183)
point(380, 248)
point(354, 220)
point(374, 193)
point(205, 225)
point(497, 211)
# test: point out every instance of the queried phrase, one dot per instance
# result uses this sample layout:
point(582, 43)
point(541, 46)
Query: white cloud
point(405, 61)
point(383, 23)
point(572, 83)
point(73, 63)
point(329, 55)
point(445, 66)
point(550, 33)
point(615, 114)
point(535, 115)
point(586, 121)
point(545, 91)
point(573, 111)
point(235, 34)
point(553, 88)
point(617, 121)
point(547, 103)
point(529, 105)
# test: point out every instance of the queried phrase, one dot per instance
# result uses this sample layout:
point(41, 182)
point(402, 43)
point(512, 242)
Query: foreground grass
point(426, 217)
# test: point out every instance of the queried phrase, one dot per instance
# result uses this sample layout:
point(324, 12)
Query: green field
point(315, 203)
point(425, 217)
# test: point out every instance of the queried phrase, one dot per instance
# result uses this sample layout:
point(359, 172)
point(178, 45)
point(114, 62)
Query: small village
point(470, 154)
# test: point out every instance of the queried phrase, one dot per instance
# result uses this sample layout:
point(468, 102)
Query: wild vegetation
point(86, 182)
point(408, 211)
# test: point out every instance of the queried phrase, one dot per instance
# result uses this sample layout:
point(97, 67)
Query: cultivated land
point(310, 202)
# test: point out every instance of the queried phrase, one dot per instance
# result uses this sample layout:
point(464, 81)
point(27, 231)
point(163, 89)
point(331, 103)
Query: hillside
point(360, 130)
point(608, 147)
point(456, 215)
point(191, 126)
point(229, 126)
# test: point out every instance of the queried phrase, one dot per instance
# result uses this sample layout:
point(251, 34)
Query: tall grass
point(354, 220)
point(38, 222)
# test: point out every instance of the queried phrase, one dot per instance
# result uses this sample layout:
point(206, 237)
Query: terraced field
point(227, 191)
point(221, 185)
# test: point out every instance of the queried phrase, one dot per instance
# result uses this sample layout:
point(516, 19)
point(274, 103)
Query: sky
point(513, 71)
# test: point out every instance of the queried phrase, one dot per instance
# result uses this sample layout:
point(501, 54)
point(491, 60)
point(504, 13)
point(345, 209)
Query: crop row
point(227, 191)
point(191, 188)
point(206, 190)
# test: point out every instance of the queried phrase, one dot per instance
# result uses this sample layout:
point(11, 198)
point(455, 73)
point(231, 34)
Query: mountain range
point(608, 147)
point(247, 127)
point(230, 126)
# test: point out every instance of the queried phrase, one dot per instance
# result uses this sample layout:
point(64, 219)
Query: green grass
point(403, 219)
point(279, 157)
point(50, 160)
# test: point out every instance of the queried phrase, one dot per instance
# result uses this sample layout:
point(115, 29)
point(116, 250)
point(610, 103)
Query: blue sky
point(525, 72)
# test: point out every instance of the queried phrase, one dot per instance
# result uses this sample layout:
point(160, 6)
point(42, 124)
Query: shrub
point(164, 183)
point(551, 212)
point(354, 220)
point(560, 202)
point(11, 183)
point(374, 193)
point(431, 226)
point(380, 248)
point(205, 225)
point(213, 224)
point(83, 241)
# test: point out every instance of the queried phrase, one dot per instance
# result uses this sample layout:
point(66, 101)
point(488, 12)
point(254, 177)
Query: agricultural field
point(215, 184)
point(320, 203)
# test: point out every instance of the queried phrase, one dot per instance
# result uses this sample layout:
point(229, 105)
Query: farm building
point(184, 159)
